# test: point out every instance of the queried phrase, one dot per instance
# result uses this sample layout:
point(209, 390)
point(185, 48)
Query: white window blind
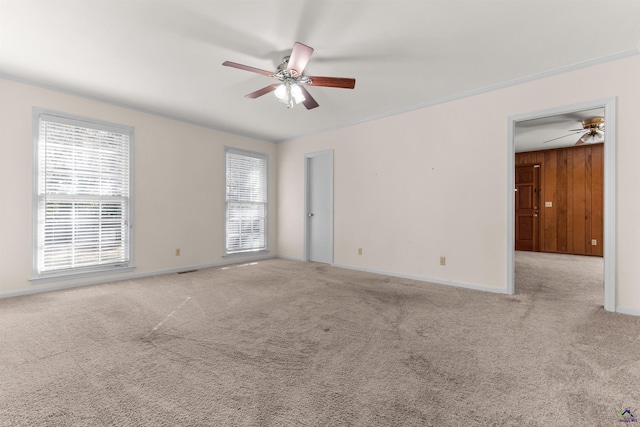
point(246, 201)
point(83, 193)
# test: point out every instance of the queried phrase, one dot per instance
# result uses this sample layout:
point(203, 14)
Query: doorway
point(608, 106)
point(319, 207)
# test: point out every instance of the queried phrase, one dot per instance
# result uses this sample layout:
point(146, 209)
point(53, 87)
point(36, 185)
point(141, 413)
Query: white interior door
point(319, 212)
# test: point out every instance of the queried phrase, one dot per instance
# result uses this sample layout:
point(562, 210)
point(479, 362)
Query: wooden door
point(527, 207)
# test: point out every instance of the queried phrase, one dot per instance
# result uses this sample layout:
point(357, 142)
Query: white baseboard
point(105, 279)
point(427, 279)
point(291, 258)
point(621, 310)
point(628, 310)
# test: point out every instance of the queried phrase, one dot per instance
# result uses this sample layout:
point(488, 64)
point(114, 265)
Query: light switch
point(548, 204)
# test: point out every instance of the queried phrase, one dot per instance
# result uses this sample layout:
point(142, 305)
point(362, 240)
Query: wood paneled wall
point(572, 179)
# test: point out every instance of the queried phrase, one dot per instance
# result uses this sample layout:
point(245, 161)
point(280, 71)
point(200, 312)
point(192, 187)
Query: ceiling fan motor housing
point(593, 123)
point(283, 66)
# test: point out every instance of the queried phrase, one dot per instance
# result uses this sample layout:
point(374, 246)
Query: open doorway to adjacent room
point(561, 222)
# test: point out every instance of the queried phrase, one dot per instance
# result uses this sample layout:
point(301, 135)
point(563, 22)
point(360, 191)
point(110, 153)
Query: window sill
point(245, 254)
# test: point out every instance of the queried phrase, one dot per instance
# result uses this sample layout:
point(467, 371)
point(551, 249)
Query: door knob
point(310, 215)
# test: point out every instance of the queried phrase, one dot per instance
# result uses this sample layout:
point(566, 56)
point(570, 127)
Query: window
point(83, 191)
point(246, 201)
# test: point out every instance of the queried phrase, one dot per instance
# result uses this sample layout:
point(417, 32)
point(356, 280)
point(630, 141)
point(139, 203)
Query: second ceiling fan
point(594, 134)
point(291, 90)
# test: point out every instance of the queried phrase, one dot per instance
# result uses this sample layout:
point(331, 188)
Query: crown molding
point(498, 86)
point(132, 107)
point(233, 131)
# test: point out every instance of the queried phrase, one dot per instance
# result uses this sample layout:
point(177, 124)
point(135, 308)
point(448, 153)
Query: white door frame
point(307, 194)
point(609, 105)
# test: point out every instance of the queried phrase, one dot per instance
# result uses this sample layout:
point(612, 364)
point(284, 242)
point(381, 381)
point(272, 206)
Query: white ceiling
point(165, 56)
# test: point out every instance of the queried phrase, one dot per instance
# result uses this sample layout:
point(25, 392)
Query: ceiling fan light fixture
point(593, 137)
point(296, 92)
point(289, 94)
point(281, 92)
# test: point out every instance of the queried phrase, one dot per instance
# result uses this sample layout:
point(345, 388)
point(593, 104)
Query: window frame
point(84, 271)
point(254, 154)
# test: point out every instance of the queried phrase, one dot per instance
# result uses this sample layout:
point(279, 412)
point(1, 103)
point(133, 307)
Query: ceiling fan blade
point(338, 82)
point(299, 58)
point(308, 102)
point(263, 91)
point(563, 136)
point(579, 141)
point(247, 68)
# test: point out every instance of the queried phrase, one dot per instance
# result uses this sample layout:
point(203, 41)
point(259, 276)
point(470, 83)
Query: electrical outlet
point(594, 242)
point(443, 260)
point(178, 252)
point(359, 251)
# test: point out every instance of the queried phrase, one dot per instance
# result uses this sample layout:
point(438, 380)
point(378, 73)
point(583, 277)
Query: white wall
point(179, 186)
point(414, 186)
point(408, 188)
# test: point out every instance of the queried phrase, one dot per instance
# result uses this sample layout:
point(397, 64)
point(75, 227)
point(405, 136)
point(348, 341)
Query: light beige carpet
point(285, 343)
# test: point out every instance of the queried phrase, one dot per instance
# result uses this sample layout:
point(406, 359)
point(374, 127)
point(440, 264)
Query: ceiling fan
point(594, 132)
point(290, 90)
